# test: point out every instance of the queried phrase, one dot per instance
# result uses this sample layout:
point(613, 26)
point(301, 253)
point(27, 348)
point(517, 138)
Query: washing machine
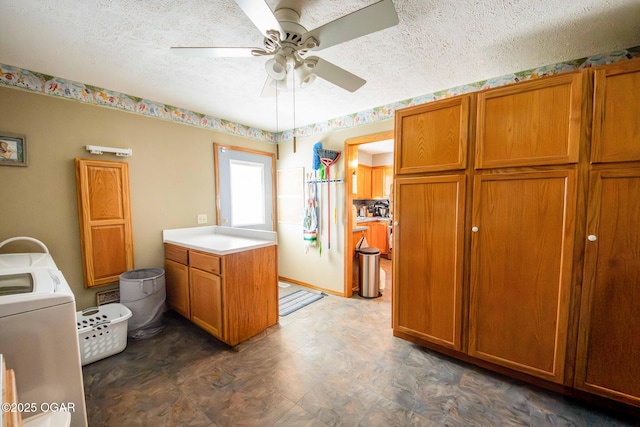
point(38, 334)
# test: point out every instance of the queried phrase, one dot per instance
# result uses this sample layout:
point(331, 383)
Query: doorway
point(351, 165)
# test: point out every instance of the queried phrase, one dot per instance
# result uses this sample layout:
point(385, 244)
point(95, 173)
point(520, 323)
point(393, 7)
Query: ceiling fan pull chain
point(277, 128)
point(293, 75)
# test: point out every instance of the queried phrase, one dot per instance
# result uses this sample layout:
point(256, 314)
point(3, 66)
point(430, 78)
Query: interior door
point(245, 185)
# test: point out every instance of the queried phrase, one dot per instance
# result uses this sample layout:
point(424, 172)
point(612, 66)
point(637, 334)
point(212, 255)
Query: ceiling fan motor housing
point(292, 39)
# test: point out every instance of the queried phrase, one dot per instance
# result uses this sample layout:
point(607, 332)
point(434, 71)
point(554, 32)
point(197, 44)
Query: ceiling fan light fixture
point(280, 85)
point(304, 77)
point(276, 67)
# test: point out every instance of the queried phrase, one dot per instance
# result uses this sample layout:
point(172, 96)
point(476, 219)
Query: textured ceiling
point(123, 45)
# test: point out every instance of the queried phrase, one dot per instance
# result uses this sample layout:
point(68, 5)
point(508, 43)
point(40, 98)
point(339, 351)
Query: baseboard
point(308, 285)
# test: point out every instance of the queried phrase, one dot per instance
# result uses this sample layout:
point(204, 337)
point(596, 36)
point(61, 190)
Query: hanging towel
point(310, 220)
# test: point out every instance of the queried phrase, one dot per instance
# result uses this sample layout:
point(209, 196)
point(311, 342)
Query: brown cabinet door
point(616, 113)
point(104, 214)
point(432, 137)
point(377, 182)
point(522, 246)
point(381, 182)
point(387, 181)
point(379, 237)
point(206, 301)
point(536, 122)
point(428, 258)
point(177, 284)
point(363, 182)
point(608, 361)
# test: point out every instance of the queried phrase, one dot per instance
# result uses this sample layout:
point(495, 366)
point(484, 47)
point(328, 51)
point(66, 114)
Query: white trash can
point(143, 291)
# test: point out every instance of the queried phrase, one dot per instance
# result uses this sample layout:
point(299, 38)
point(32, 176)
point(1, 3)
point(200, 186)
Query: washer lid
point(35, 281)
point(25, 261)
point(32, 290)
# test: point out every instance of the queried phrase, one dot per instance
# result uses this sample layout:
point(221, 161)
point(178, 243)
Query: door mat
point(296, 300)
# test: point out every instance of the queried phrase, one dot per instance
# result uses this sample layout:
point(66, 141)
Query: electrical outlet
point(202, 218)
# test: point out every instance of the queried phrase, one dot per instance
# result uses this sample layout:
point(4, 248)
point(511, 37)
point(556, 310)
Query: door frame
point(350, 169)
point(216, 146)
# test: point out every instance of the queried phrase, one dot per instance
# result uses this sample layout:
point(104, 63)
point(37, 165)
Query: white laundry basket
point(102, 331)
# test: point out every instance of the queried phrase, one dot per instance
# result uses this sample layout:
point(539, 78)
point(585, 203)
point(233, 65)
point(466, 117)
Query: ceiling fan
point(288, 43)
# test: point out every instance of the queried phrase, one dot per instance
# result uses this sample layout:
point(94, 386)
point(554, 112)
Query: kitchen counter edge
point(219, 240)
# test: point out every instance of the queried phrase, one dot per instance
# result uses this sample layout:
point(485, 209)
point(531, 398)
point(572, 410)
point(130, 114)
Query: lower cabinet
point(379, 231)
point(177, 276)
point(428, 258)
point(232, 297)
point(608, 362)
point(206, 301)
point(520, 279)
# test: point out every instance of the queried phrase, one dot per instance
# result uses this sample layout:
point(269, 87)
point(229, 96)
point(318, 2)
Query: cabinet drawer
point(205, 262)
point(176, 253)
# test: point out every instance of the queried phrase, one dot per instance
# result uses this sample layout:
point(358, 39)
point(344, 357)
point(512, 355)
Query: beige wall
point(323, 270)
point(171, 176)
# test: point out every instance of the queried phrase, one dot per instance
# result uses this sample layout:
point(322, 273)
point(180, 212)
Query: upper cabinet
point(616, 114)
point(432, 137)
point(536, 122)
point(364, 182)
point(381, 182)
point(105, 220)
point(374, 182)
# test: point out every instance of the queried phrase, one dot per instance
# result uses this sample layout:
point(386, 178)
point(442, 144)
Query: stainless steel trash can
point(369, 272)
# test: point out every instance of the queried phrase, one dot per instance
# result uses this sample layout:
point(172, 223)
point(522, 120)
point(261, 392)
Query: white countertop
point(219, 240)
point(361, 219)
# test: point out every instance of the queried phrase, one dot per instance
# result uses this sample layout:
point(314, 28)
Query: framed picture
point(106, 297)
point(13, 149)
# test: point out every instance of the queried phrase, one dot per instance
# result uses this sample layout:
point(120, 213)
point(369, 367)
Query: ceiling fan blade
point(261, 15)
point(367, 20)
point(218, 52)
point(334, 74)
point(268, 90)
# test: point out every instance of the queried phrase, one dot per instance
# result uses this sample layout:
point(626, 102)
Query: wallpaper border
point(19, 78)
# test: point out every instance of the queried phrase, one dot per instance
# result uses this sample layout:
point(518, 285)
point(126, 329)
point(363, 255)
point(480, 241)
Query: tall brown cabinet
point(104, 214)
point(524, 202)
point(517, 238)
point(608, 359)
point(431, 146)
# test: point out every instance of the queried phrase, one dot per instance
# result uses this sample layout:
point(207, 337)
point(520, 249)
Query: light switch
point(202, 218)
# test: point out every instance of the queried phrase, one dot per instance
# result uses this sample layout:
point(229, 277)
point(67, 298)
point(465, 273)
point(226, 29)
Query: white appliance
point(38, 334)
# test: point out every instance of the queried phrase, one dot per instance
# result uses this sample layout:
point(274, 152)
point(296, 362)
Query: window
point(245, 184)
point(247, 193)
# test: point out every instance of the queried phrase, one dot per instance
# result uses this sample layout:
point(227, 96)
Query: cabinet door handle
point(592, 237)
point(395, 223)
point(474, 229)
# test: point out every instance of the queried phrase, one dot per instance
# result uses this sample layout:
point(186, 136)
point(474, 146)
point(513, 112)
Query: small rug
point(296, 300)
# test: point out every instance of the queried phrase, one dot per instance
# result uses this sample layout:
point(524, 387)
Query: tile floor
point(332, 363)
